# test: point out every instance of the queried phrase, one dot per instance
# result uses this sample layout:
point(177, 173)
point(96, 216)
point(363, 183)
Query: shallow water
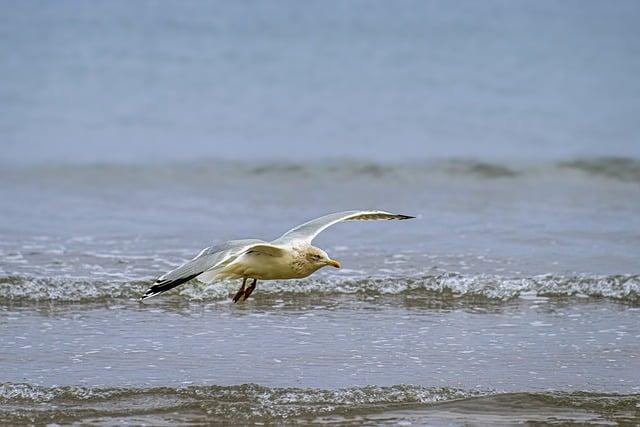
point(496, 306)
point(328, 342)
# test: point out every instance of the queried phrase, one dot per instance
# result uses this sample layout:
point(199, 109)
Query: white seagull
point(290, 256)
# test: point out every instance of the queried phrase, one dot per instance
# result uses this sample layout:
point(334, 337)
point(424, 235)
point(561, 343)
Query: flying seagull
point(290, 256)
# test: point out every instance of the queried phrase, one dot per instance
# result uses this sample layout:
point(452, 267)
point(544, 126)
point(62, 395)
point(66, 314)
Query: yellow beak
point(333, 263)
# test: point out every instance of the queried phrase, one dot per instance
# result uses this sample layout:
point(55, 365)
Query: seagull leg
point(240, 291)
point(250, 289)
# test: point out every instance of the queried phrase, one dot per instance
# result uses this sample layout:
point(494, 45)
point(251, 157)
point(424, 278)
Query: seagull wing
point(305, 233)
point(210, 258)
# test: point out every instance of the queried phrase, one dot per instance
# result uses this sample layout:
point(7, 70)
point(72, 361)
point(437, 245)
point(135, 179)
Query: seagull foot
point(250, 289)
point(240, 292)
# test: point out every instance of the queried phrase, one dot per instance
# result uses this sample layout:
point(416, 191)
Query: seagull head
point(319, 258)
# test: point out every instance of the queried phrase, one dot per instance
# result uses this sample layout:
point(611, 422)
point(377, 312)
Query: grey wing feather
point(207, 259)
point(306, 232)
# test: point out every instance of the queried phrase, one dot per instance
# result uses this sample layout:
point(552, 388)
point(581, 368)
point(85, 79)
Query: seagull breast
point(261, 266)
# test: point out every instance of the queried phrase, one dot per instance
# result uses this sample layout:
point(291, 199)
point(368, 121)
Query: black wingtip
point(162, 286)
point(148, 295)
point(151, 292)
point(401, 217)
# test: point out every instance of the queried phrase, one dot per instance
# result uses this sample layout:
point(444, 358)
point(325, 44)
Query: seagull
point(290, 256)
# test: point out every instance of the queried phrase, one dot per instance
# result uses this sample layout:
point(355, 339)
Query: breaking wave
point(251, 402)
point(622, 288)
point(617, 168)
point(620, 168)
point(241, 402)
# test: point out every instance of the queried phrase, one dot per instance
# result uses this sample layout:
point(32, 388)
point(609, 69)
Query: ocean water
point(266, 79)
point(134, 135)
point(513, 297)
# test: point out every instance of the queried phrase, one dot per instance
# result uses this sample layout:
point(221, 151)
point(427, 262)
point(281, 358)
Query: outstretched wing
point(306, 232)
point(210, 258)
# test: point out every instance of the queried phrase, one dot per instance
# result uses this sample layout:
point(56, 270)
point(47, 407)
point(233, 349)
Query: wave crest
point(247, 401)
point(620, 168)
point(37, 404)
point(624, 288)
point(625, 169)
point(63, 289)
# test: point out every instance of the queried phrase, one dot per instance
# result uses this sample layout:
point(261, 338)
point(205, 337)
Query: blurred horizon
point(120, 82)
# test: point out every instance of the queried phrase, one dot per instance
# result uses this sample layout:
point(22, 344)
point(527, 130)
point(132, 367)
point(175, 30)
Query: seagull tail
point(161, 286)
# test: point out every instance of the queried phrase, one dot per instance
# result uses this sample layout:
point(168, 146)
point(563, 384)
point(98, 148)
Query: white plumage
point(291, 256)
